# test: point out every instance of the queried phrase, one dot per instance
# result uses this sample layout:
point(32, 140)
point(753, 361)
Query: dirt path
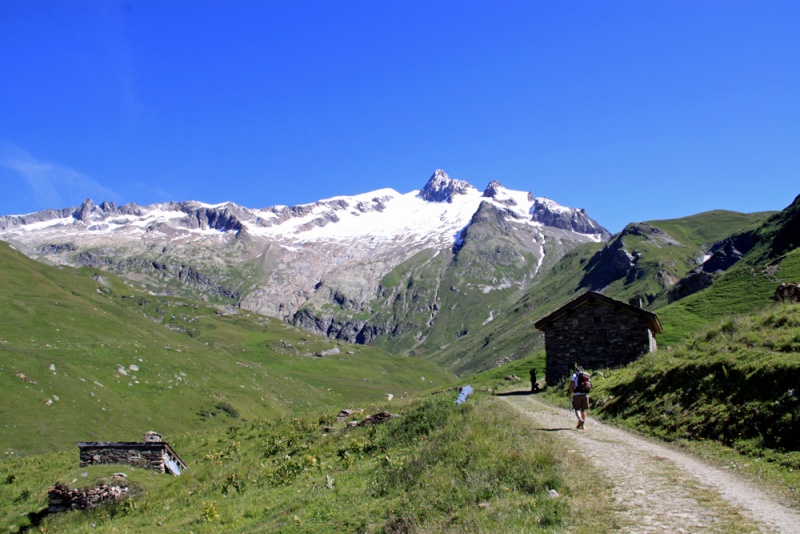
point(657, 488)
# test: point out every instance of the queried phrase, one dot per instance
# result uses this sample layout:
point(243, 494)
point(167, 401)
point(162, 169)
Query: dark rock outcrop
point(494, 190)
point(787, 293)
point(689, 285)
point(224, 219)
point(728, 251)
point(442, 188)
point(608, 265)
point(549, 213)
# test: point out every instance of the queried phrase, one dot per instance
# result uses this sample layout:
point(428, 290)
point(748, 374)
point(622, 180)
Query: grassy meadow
point(84, 357)
point(438, 467)
point(249, 402)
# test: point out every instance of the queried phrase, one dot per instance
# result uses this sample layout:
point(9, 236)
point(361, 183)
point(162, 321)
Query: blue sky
point(633, 110)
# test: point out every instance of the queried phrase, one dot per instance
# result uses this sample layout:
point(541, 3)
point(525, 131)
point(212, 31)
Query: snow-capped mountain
point(380, 266)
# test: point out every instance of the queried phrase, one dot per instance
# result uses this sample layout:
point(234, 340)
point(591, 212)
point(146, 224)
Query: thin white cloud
point(117, 60)
point(152, 191)
point(52, 185)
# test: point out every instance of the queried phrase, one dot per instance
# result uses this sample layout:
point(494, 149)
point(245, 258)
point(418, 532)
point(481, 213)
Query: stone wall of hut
point(595, 335)
point(147, 456)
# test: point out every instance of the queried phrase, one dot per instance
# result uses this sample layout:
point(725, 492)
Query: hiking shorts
point(580, 402)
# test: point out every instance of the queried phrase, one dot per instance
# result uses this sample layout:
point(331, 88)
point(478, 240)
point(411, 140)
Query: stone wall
point(144, 455)
point(61, 498)
point(595, 335)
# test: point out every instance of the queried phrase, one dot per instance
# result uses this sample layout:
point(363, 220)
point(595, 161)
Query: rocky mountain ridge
point(381, 267)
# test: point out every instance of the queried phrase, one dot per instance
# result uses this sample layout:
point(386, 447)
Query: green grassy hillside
point(667, 251)
point(742, 289)
point(84, 357)
point(706, 228)
point(779, 235)
point(438, 467)
point(735, 383)
point(729, 392)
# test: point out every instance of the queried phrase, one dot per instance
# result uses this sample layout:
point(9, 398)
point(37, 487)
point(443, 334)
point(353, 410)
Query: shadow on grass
point(35, 519)
point(515, 393)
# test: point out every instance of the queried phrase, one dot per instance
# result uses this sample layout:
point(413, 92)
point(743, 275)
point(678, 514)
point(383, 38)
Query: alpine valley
point(409, 272)
point(448, 273)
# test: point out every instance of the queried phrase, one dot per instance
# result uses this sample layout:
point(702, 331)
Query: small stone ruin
point(152, 453)
point(374, 419)
point(62, 498)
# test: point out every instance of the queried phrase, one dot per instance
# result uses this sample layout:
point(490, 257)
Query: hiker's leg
point(576, 405)
point(584, 407)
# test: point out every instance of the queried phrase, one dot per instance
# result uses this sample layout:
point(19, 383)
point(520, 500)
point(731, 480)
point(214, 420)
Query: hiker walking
point(579, 387)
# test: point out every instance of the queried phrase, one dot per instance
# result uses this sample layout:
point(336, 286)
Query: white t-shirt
point(575, 385)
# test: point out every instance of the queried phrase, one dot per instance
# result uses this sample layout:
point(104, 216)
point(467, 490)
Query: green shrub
point(228, 409)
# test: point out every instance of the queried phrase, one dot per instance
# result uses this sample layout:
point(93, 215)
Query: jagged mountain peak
point(500, 195)
point(84, 211)
point(493, 189)
point(442, 188)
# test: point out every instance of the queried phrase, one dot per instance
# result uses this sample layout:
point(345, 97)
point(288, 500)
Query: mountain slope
point(643, 262)
point(379, 268)
point(85, 357)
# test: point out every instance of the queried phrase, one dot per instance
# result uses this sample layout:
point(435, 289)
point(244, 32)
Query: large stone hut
point(596, 331)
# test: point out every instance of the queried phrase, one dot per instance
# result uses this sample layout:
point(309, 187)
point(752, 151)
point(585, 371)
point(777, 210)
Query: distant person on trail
point(534, 385)
point(579, 387)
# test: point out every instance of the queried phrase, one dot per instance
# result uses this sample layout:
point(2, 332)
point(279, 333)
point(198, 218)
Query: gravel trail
point(657, 488)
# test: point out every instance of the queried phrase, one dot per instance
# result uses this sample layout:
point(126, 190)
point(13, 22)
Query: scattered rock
point(345, 414)
point(24, 378)
point(787, 293)
point(329, 352)
point(553, 494)
point(376, 419)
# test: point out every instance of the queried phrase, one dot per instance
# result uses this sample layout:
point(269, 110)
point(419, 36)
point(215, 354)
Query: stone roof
point(590, 297)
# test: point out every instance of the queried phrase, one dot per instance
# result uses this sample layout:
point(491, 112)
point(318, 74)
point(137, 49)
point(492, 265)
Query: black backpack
point(584, 382)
